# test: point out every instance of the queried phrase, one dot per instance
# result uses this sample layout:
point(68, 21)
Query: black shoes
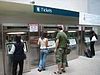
point(41, 70)
point(57, 72)
point(44, 69)
point(66, 65)
point(63, 71)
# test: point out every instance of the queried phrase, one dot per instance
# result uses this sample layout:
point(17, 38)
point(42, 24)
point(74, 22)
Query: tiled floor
point(80, 66)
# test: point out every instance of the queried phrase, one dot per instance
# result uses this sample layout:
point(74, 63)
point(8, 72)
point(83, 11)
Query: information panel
point(89, 19)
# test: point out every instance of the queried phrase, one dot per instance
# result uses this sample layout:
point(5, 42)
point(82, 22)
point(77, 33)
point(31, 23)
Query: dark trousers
point(15, 64)
point(92, 48)
point(66, 63)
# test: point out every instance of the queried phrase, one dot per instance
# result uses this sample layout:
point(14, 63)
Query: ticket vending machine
point(87, 33)
point(9, 34)
point(72, 32)
point(51, 34)
point(51, 31)
point(8, 46)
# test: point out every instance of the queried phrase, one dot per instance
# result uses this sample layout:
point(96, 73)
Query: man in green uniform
point(61, 44)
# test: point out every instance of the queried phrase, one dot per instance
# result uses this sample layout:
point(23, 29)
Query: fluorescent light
point(87, 30)
point(71, 31)
point(50, 31)
point(16, 33)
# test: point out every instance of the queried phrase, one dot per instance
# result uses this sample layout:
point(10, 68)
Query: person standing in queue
point(18, 50)
point(43, 43)
point(93, 38)
point(61, 44)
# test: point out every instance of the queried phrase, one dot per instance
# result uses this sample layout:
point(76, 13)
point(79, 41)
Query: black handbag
point(24, 56)
point(67, 50)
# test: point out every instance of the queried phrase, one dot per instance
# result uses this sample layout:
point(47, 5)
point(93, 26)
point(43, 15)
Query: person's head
point(43, 34)
point(59, 28)
point(18, 38)
point(92, 32)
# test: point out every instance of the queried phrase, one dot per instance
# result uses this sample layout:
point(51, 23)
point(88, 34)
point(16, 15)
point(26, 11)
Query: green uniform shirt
point(62, 39)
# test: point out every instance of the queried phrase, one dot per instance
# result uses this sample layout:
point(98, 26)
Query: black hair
point(43, 35)
point(59, 27)
point(92, 32)
point(18, 38)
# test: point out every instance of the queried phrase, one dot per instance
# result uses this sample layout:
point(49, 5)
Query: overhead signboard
point(89, 19)
point(54, 11)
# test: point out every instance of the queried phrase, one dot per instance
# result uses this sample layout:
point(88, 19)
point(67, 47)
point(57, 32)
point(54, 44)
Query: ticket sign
point(33, 27)
point(54, 11)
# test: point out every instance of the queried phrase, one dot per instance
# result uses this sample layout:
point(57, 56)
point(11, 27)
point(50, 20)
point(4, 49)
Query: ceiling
point(22, 13)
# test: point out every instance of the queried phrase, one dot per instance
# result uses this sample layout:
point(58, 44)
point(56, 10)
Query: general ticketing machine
point(51, 34)
point(9, 33)
point(87, 35)
point(72, 34)
point(10, 56)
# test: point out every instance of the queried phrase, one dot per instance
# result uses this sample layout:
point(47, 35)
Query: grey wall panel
point(94, 7)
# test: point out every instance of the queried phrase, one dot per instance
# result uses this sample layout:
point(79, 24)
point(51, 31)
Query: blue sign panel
point(54, 11)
